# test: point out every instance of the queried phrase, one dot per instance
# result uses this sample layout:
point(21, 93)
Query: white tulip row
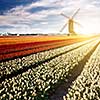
point(36, 82)
point(87, 85)
point(19, 63)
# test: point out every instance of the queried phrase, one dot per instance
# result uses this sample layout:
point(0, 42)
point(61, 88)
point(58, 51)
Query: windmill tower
point(70, 23)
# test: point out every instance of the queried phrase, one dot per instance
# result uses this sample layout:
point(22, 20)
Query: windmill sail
point(63, 27)
point(75, 13)
point(77, 23)
point(70, 23)
point(65, 15)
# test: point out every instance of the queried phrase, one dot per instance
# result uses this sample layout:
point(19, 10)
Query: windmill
point(70, 23)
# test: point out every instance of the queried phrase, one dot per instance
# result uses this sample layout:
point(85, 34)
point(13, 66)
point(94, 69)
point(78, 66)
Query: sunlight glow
point(88, 28)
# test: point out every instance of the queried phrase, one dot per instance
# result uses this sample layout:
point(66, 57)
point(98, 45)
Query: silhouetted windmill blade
point(75, 13)
point(63, 27)
point(65, 15)
point(78, 23)
point(70, 23)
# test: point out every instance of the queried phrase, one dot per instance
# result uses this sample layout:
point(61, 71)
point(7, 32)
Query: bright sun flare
point(88, 29)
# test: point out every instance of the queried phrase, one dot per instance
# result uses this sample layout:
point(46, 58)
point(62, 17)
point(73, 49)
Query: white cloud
point(25, 21)
point(44, 23)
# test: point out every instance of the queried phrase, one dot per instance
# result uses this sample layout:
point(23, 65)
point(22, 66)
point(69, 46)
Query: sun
point(88, 29)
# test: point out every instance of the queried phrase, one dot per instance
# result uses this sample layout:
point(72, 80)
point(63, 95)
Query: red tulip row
point(22, 49)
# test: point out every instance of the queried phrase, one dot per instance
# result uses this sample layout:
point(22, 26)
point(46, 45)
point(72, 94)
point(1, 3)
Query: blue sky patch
point(6, 5)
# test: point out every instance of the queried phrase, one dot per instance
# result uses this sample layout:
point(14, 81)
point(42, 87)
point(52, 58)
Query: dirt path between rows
point(62, 89)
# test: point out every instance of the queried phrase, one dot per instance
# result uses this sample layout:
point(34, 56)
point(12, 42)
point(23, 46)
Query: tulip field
point(34, 70)
point(87, 85)
point(14, 47)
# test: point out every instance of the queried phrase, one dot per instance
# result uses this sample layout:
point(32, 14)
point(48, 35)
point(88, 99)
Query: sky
point(43, 16)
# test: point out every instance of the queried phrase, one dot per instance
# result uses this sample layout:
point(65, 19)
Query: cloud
point(21, 19)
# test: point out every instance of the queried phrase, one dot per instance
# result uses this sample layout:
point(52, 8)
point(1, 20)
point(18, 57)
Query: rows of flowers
point(10, 66)
point(36, 82)
point(22, 46)
point(87, 85)
point(18, 50)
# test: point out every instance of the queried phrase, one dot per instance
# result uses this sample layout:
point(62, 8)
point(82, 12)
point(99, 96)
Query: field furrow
point(87, 85)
